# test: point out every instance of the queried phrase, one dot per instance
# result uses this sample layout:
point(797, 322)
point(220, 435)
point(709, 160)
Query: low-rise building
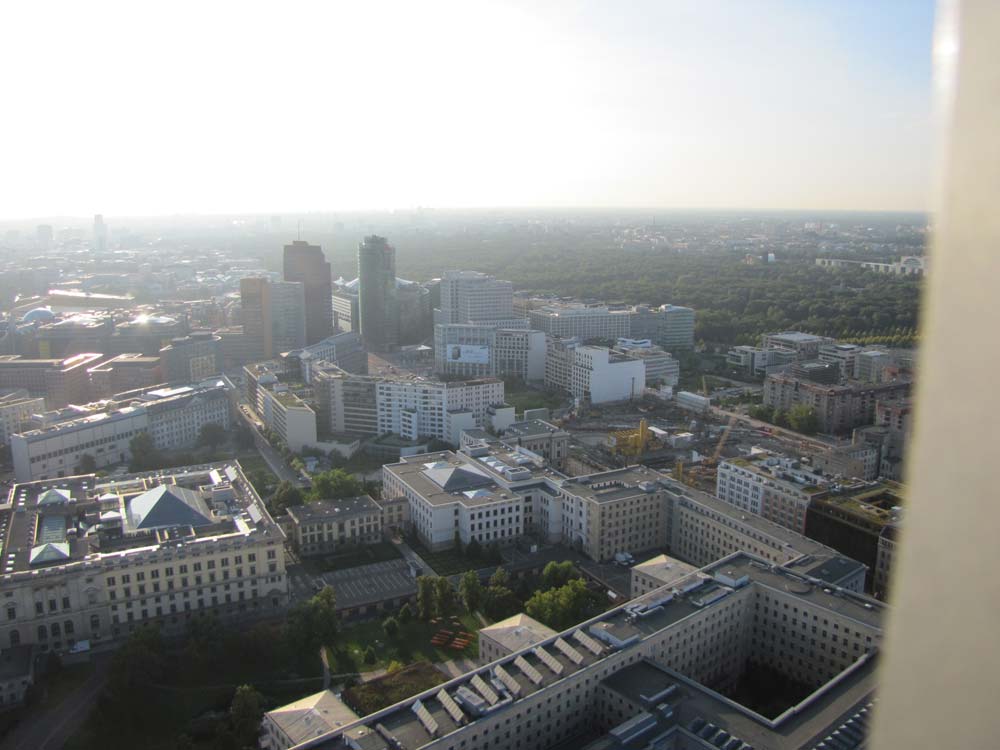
point(58, 381)
point(774, 487)
point(126, 372)
point(661, 368)
point(758, 360)
point(838, 408)
point(805, 345)
point(693, 402)
point(328, 526)
point(657, 572)
point(510, 636)
point(594, 374)
point(305, 719)
point(539, 437)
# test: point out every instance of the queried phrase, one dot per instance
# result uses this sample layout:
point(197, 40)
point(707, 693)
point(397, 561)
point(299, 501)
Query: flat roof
point(325, 510)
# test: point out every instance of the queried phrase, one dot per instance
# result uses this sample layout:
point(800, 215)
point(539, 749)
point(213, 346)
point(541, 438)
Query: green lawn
point(412, 643)
point(447, 562)
point(522, 397)
point(384, 691)
point(361, 555)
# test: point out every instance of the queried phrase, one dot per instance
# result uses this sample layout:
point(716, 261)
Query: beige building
point(90, 559)
point(666, 667)
point(774, 487)
point(303, 720)
point(508, 636)
point(327, 526)
point(540, 437)
point(656, 572)
point(839, 408)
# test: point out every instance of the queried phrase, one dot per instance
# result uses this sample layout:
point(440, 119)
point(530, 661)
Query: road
point(281, 469)
point(820, 443)
point(49, 728)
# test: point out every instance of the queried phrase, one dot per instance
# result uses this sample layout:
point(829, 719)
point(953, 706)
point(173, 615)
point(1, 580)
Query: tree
point(335, 484)
point(313, 623)
point(802, 418)
point(370, 657)
point(393, 666)
point(444, 596)
point(211, 434)
point(390, 626)
point(500, 577)
point(426, 598)
point(561, 607)
point(500, 602)
point(87, 465)
point(405, 614)
point(762, 412)
point(471, 591)
point(245, 714)
point(556, 574)
point(285, 496)
point(145, 455)
point(780, 418)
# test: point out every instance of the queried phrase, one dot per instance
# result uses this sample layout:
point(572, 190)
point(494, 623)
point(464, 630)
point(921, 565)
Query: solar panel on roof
point(451, 707)
point(587, 642)
point(549, 660)
point(529, 671)
point(484, 690)
point(509, 682)
point(571, 653)
point(429, 722)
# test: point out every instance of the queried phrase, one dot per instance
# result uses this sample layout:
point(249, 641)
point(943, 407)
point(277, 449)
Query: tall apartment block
point(306, 264)
point(377, 304)
point(473, 297)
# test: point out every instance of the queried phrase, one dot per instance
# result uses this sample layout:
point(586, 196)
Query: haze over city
point(239, 108)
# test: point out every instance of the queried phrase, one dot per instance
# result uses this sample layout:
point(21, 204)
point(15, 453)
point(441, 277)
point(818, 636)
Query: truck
point(624, 558)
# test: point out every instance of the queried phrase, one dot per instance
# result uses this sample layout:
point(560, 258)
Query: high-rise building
point(100, 233)
point(307, 265)
point(275, 316)
point(473, 297)
point(377, 303)
point(187, 359)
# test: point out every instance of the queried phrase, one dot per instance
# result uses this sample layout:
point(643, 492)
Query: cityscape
point(578, 414)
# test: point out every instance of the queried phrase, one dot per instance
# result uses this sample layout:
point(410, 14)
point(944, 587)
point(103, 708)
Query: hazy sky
point(157, 107)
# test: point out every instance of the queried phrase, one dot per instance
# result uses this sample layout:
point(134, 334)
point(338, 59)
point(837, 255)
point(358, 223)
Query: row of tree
point(800, 417)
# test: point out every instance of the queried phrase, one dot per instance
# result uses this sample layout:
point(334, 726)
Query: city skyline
point(770, 106)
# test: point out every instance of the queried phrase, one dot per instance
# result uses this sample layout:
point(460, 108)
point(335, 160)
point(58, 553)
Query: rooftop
point(325, 510)
point(518, 632)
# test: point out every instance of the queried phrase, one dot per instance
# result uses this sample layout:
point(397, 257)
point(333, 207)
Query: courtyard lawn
point(376, 694)
point(411, 643)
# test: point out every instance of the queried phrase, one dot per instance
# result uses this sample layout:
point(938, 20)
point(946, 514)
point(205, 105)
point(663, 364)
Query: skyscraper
point(100, 233)
point(473, 297)
point(307, 265)
point(274, 316)
point(377, 303)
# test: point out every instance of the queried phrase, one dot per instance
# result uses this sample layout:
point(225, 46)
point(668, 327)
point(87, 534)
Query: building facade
point(305, 264)
point(378, 309)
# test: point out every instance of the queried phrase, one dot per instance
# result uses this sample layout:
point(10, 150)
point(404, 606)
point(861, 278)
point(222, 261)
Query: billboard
point(474, 355)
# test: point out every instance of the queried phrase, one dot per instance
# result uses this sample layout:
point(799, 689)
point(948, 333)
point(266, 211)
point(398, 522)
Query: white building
point(655, 573)
point(415, 407)
point(693, 401)
point(757, 360)
point(769, 486)
point(574, 319)
point(289, 416)
point(474, 350)
point(173, 417)
point(474, 297)
point(845, 356)
point(595, 374)
point(661, 367)
point(16, 407)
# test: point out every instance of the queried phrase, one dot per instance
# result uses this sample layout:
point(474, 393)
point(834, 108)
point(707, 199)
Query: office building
point(128, 372)
point(274, 316)
point(805, 345)
point(377, 304)
point(774, 487)
point(655, 573)
point(576, 320)
point(669, 326)
point(884, 557)
point(146, 334)
point(330, 526)
point(838, 408)
point(759, 360)
point(844, 356)
point(346, 317)
point(473, 351)
point(593, 374)
point(473, 297)
point(413, 306)
point(345, 350)
point(16, 409)
point(74, 334)
point(92, 559)
point(541, 438)
point(306, 264)
point(852, 518)
point(192, 358)
point(661, 368)
point(58, 381)
point(279, 407)
point(875, 366)
point(510, 636)
point(414, 408)
point(665, 671)
point(345, 403)
point(172, 416)
point(861, 460)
